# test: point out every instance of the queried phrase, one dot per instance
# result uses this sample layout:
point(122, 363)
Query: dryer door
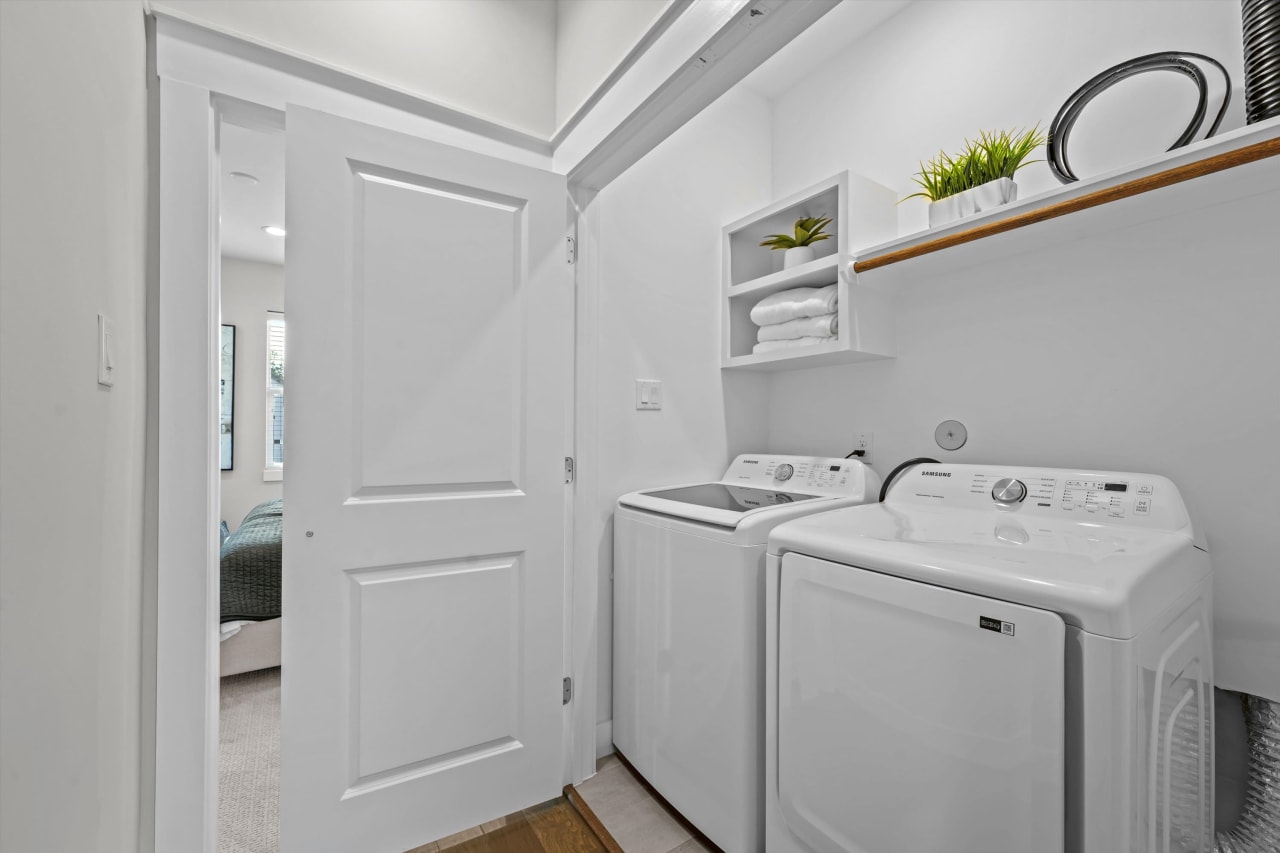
point(916, 718)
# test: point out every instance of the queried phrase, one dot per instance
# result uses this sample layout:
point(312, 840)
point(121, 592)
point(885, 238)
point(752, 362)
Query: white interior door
point(430, 369)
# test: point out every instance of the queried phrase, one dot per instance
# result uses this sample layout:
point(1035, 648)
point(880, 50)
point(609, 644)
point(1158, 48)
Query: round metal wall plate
point(951, 435)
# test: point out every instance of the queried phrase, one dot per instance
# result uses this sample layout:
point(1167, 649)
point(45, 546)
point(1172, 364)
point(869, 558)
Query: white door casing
point(430, 312)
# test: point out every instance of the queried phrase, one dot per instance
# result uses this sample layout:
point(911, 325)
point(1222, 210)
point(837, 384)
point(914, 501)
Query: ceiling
point(247, 206)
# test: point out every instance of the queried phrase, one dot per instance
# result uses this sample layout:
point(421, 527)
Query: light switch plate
point(648, 394)
point(106, 350)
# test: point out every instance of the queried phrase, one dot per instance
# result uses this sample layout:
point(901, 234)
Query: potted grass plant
point(799, 246)
point(979, 178)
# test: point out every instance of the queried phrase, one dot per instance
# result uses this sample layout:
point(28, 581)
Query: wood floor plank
point(562, 830)
point(514, 836)
point(454, 841)
point(550, 827)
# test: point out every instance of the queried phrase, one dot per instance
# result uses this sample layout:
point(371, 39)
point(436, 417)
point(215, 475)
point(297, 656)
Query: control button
point(783, 473)
point(1142, 506)
point(1008, 491)
point(1146, 489)
point(1116, 512)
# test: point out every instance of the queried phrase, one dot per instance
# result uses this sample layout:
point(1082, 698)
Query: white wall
point(73, 167)
point(1152, 348)
point(491, 58)
point(592, 37)
point(658, 229)
point(916, 84)
point(249, 291)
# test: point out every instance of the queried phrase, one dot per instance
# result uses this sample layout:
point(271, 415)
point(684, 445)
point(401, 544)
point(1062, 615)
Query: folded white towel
point(789, 343)
point(791, 304)
point(805, 327)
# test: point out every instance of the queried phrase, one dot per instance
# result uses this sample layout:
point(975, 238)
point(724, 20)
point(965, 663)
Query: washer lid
point(1105, 579)
point(762, 484)
point(722, 504)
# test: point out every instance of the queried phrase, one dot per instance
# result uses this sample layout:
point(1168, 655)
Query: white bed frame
point(255, 646)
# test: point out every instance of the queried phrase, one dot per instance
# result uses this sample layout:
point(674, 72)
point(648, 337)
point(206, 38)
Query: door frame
point(201, 76)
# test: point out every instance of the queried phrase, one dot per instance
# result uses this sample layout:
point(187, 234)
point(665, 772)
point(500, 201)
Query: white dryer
point(688, 631)
point(995, 659)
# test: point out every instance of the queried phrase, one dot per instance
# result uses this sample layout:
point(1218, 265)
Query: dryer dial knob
point(783, 473)
point(1009, 491)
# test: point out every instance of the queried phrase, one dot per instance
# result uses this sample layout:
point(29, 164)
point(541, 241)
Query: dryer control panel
point(814, 475)
point(1099, 497)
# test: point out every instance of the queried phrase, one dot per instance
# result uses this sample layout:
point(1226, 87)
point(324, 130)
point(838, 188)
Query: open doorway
point(250, 507)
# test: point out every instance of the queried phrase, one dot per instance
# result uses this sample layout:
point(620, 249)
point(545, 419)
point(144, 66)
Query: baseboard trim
point(604, 739)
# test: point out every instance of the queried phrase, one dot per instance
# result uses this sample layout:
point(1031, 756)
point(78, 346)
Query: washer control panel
point(1101, 497)
point(814, 475)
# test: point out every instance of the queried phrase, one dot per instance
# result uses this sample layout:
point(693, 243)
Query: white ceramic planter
point(797, 256)
point(944, 210)
point(993, 194)
point(987, 196)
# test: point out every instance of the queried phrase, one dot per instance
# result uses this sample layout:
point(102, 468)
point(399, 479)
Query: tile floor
point(637, 821)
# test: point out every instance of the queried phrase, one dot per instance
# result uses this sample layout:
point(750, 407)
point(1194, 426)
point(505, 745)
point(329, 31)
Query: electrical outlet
point(864, 441)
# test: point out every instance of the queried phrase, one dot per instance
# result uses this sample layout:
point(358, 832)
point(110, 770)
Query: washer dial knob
point(1009, 490)
point(783, 473)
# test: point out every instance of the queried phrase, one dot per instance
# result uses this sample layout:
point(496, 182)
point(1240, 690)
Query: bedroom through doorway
point(251, 507)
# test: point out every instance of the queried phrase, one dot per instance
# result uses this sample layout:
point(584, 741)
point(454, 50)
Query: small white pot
point(986, 196)
point(797, 256)
point(993, 194)
point(944, 210)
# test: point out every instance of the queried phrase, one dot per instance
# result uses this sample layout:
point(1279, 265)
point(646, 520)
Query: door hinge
point(566, 692)
point(568, 469)
point(571, 253)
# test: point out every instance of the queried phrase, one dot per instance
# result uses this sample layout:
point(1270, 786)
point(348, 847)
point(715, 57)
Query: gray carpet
point(249, 763)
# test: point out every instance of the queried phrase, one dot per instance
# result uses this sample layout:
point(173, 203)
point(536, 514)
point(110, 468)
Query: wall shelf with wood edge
point(1241, 161)
point(859, 208)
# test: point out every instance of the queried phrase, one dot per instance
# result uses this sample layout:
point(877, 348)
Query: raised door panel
point(438, 274)
point(417, 705)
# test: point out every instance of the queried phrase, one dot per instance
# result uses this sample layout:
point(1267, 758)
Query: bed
point(249, 578)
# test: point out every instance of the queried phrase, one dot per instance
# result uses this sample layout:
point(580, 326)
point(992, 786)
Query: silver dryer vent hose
point(1258, 830)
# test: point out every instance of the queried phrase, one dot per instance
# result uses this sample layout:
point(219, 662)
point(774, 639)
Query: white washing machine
point(995, 659)
point(688, 631)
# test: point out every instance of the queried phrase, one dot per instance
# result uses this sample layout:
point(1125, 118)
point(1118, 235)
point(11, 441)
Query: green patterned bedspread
point(250, 565)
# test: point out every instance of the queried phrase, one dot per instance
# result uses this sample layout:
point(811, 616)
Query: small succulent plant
point(809, 230)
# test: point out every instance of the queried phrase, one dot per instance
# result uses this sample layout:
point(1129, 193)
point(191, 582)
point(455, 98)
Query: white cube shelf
point(861, 210)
